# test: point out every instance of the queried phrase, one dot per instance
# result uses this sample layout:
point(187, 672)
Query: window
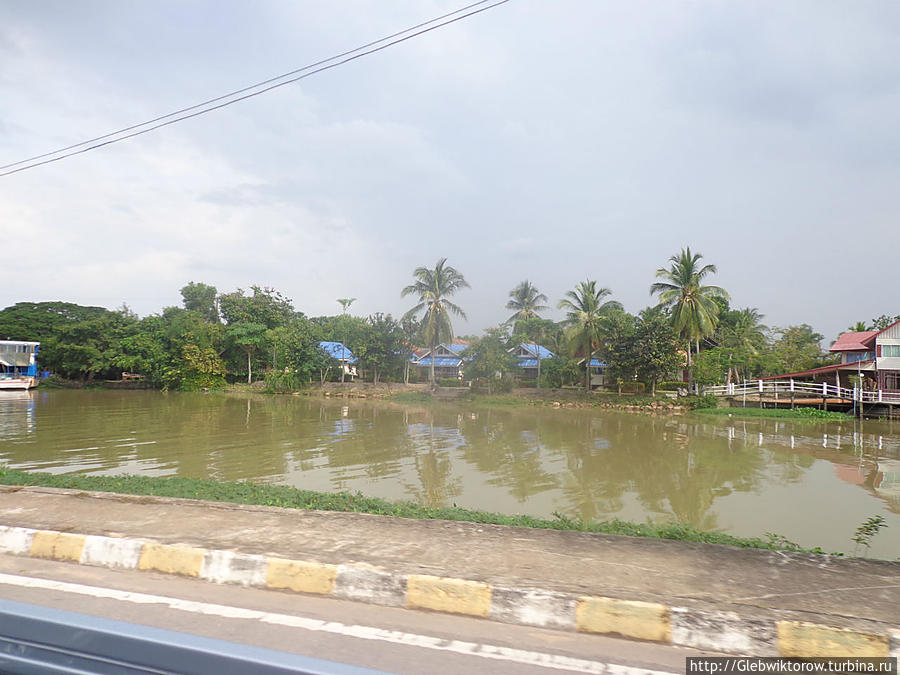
point(890, 350)
point(892, 379)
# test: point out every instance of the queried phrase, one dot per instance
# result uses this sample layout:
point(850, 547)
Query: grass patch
point(485, 399)
point(808, 414)
point(289, 497)
point(411, 397)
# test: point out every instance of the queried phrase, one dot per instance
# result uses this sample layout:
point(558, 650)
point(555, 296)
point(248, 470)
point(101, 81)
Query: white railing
point(790, 388)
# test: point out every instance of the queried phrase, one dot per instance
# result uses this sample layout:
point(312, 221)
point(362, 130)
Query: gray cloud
point(550, 141)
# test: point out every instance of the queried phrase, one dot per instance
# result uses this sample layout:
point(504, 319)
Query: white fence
point(791, 389)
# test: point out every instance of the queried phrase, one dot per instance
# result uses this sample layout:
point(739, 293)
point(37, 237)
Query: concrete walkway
point(746, 587)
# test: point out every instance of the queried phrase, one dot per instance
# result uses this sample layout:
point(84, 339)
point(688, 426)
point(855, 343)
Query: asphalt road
point(382, 638)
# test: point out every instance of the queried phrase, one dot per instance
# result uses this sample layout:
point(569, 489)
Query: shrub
point(633, 387)
point(671, 386)
point(704, 401)
point(279, 381)
point(450, 382)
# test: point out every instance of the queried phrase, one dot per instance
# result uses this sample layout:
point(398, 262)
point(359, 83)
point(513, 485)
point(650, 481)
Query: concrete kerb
point(724, 632)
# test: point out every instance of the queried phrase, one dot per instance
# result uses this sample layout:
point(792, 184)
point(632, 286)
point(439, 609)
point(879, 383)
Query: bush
point(450, 382)
point(671, 386)
point(507, 382)
point(633, 387)
point(281, 382)
point(701, 402)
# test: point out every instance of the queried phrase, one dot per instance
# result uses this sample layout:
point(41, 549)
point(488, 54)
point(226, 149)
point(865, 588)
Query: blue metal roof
point(536, 350)
point(595, 363)
point(525, 362)
point(338, 351)
point(455, 348)
point(439, 361)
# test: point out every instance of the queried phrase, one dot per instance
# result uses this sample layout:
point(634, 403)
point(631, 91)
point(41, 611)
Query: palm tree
point(858, 327)
point(345, 305)
point(432, 288)
point(525, 301)
point(746, 336)
point(693, 308)
point(585, 309)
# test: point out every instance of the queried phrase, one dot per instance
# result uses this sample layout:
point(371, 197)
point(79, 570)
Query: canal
point(813, 483)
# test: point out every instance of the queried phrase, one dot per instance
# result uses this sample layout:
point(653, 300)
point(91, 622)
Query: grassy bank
point(555, 398)
point(808, 414)
point(288, 497)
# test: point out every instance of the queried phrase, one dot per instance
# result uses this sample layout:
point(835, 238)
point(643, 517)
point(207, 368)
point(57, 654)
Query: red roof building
point(874, 354)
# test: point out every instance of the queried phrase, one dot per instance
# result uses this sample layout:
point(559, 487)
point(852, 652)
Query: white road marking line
point(362, 632)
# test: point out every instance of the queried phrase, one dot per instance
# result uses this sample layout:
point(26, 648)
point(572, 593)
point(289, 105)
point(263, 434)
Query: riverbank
point(422, 393)
point(242, 492)
point(799, 414)
point(718, 598)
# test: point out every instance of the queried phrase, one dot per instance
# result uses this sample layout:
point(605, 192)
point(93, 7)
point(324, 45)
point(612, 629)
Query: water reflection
point(813, 483)
point(16, 414)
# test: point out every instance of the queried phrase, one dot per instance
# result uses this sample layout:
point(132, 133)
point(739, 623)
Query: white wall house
point(887, 357)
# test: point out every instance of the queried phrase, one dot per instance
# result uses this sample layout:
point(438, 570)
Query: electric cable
point(314, 68)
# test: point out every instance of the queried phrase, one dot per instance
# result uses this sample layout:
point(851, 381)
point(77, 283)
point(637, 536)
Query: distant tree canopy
point(245, 335)
point(201, 298)
point(264, 306)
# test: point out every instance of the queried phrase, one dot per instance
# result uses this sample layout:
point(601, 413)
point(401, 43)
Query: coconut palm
point(858, 327)
point(585, 308)
point(525, 300)
point(744, 337)
point(692, 305)
point(432, 288)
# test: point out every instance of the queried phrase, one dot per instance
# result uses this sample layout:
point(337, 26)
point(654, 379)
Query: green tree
point(742, 336)
point(489, 359)
point(797, 348)
point(433, 287)
point(197, 368)
point(692, 305)
point(858, 327)
point(585, 308)
point(296, 353)
point(620, 352)
point(265, 306)
point(712, 366)
point(201, 298)
point(559, 371)
point(525, 301)
point(883, 321)
point(250, 338)
point(88, 348)
point(384, 352)
point(177, 349)
point(44, 322)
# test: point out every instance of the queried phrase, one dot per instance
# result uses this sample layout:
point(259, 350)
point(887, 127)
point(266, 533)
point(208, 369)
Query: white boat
point(18, 364)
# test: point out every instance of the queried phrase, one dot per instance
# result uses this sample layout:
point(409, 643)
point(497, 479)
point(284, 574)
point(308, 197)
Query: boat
point(18, 364)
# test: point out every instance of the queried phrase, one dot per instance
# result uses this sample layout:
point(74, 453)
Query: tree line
point(217, 337)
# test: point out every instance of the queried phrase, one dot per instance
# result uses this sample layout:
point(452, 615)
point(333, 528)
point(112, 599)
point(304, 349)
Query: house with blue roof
point(527, 355)
point(338, 351)
point(447, 358)
point(598, 372)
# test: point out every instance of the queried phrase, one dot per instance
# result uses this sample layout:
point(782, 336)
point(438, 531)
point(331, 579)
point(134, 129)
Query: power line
point(205, 107)
point(245, 89)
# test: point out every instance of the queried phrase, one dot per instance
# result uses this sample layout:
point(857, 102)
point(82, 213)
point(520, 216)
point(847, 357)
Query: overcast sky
point(554, 141)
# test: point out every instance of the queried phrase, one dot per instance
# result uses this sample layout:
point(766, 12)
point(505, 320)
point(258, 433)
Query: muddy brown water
point(813, 483)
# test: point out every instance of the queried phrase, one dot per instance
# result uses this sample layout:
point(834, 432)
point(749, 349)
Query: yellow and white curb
point(708, 630)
